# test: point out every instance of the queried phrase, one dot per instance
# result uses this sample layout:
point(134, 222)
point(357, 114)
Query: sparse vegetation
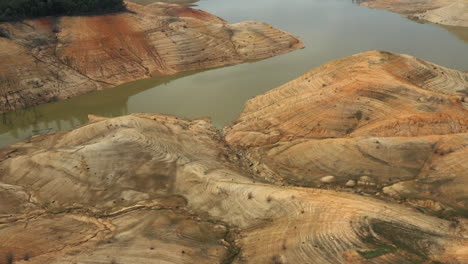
point(381, 249)
point(276, 259)
point(412, 243)
point(9, 258)
point(358, 115)
point(12, 10)
point(4, 33)
point(173, 19)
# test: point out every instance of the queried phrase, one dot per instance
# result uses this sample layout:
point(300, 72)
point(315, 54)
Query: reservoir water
point(330, 29)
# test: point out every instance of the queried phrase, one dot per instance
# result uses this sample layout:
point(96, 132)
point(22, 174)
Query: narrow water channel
point(330, 29)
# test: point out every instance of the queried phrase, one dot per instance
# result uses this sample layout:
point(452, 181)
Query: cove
point(330, 30)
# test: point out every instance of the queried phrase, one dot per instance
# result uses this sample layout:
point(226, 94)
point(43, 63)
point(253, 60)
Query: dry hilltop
point(377, 120)
point(362, 160)
point(49, 59)
point(444, 12)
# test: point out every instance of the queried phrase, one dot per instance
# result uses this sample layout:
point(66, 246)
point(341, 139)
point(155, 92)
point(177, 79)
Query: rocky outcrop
point(445, 12)
point(51, 59)
point(150, 188)
point(387, 122)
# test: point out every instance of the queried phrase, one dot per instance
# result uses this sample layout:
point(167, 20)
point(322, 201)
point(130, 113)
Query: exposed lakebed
point(330, 30)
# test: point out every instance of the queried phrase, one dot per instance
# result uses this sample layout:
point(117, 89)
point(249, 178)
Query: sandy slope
point(445, 12)
point(150, 188)
point(374, 119)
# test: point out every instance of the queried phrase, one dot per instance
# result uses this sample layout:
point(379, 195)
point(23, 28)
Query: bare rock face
point(445, 12)
point(376, 119)
point(150, 188)
point(49, 59)
point(328, 179)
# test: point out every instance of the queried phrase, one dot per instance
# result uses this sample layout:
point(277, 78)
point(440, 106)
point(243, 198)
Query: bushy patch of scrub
point(12, 10)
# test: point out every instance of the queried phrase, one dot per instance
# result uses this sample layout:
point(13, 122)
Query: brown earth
point(47, 59)
point(377, 121)
point(444, 12)
point(376, 93)
point(150, 188)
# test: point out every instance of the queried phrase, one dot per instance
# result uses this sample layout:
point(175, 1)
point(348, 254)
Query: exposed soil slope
point(50, 59)
point(445, 12)
point(150, 188)
point(376, 93)
point(368, 121)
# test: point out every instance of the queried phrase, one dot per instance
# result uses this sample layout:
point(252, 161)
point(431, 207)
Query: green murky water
point(330, 29)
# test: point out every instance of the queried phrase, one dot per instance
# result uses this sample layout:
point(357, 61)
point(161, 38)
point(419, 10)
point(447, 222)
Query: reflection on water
point(460, 32)
point(73, 112)
point(330, 29)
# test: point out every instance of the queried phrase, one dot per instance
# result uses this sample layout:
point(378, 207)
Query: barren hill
point(372, 121)
point(150, 188)
point(50, 59)
point(445, 12)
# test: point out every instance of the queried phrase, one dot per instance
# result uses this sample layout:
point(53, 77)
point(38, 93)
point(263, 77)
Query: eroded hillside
point(444, 12)
point(375, 121)
point(49, 59)
point(150, 188)
point(158, 189)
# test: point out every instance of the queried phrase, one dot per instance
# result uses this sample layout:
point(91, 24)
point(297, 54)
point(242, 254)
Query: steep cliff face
point(445, 12)
point(150, 188)
point(372, 122)
point(50, 59)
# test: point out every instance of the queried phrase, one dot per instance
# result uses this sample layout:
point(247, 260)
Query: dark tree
point(11, 10)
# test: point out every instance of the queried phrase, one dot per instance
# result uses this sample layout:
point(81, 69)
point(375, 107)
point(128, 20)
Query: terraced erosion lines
point(49, 59)
point(151, 188)
point(444, 12)
point(375, 93)
point(374, 122)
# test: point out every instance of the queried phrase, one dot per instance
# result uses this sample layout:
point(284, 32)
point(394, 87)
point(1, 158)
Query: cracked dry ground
point(47, 59)
point(151, 188)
